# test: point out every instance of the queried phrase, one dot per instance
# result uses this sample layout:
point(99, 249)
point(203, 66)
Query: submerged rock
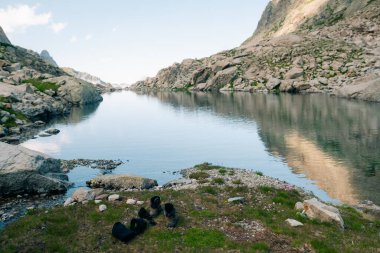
point(26, 171)
point(121, 182)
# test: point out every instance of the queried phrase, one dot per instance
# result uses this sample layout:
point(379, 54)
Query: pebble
point(97, 201)
point(102, 208)
point(140, 202)
point(114, 197)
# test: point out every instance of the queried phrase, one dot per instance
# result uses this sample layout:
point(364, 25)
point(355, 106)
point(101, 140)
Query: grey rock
point(299, 206)
point(294, 73)
point(315, 209)
point(83, 194)
point(236, 199)
point(47, 58)
point(52, 131)
point(102, 208)
point(294, 223)
point(121, 182)
point(114, 197)
point(68, 201)
point(3, 37)
point(26, 171)
point(273, 83)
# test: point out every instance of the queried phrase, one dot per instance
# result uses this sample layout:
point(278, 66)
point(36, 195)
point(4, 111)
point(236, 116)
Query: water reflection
point(335, 142)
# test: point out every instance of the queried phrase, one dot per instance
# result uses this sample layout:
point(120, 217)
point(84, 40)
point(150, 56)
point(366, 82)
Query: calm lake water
point(328, 145)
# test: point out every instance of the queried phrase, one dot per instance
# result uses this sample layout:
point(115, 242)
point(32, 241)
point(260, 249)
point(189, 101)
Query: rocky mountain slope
point(32, 89)
point(329, 46)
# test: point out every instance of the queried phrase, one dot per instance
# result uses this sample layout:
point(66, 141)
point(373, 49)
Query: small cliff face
point(329, 46)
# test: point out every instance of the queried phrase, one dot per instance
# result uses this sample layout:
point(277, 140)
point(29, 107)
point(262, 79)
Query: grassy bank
point(208, 223)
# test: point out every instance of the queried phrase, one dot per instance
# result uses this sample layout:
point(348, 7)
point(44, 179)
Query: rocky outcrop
point(314, 209)
point(76, 91)
point(48, 59)
point(121, 182)
point(3, 37)
point(325, 46)
point(25, 171)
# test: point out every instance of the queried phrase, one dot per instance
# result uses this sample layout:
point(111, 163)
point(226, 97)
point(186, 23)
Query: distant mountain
point(85, 76)
point(3, 38)
point(47, 58)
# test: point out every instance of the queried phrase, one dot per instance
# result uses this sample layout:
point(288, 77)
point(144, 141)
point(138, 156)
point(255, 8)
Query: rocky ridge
point(31, 89)
point(329, 46)
point(46, 56)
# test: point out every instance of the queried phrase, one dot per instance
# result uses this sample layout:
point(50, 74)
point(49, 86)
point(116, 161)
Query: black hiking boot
point(155, 206)
point(170, 214)
point(144, 214)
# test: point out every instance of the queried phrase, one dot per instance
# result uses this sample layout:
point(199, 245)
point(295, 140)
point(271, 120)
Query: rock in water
point(121, 182)
point(315, 209)
point(294, 223)
point(52, 131)
point(26, 171)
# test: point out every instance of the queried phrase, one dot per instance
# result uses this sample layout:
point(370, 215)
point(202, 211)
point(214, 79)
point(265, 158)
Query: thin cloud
point(88, 37)
point(73, 39)
point(114, 29)
point(57, 27)
point(19, 17)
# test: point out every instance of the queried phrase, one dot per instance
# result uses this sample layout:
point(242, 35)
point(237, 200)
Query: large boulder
point(315, 209)
point(121, 182)
point(26, 171)
point(365, 88)
point(76, 91)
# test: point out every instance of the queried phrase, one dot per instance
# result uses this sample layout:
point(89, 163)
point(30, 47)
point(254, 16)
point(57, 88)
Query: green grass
point(207, 166)
point(199, 175)
point(259, 173)
point(42, 86)
point(218, 181)
point(208, 226)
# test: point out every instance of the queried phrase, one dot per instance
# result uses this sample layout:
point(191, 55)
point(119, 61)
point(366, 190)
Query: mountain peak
point(47, 58)
point(3, 37)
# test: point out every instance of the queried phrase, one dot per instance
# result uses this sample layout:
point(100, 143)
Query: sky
point(123, 41)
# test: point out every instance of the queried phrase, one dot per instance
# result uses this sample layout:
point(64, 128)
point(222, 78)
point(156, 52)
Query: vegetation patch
point(42, 86)
point(199, 175)
point(218, 180)
point(207, 223)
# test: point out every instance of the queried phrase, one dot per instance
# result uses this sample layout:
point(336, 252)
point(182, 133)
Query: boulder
point(121, 182)
point(76, 91)
point(26, 171)
point(83, 194)
point(131, 202)
point(114, 197)
point(294, 73)
point(68, 201)
point(299, 206)
point(273, 83)
point(314, 209)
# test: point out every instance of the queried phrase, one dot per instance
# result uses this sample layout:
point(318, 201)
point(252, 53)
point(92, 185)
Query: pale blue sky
point(125, 41)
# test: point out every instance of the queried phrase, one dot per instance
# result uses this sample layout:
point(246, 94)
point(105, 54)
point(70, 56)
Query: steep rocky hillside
point(329, 46)
point(32, 89)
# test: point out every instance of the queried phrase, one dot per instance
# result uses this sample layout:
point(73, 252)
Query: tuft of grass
point(42, 86)
point(218, 181)
point(209, 189)
point(206, 166)
point(259, 173)
point(199, 175)
point(222, 171)
point(260, 247)
point(202, 238)
point(237, 181)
